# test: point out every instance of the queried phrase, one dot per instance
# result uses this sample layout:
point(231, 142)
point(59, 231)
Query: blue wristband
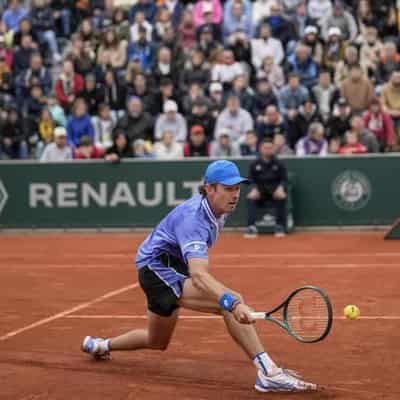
point(228, 301)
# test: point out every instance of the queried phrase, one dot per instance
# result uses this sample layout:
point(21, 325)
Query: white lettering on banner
point(104, 194)
point(172, 201)
point(141, 194)
point(66, 195)
point(122, 195)
point(40, 193)
point(89, 194)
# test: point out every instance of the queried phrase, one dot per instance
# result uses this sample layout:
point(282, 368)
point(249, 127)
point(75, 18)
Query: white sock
point(104, 345)
point(264, 363)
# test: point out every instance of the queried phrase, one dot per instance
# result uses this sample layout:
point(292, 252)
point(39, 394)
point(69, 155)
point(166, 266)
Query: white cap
point(310, 29)
point(334, 30)
point(170, 105)
point(207, 7)
point(60, 131)
point(216, 87)
point(224, 132)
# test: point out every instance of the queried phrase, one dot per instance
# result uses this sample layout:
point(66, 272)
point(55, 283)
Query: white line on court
point(217, 265)
point(69, 311)
point(194, 317)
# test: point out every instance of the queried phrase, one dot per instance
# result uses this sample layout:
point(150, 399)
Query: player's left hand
point(242, 314)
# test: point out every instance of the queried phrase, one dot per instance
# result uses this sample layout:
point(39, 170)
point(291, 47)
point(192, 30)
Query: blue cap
point(225, 172)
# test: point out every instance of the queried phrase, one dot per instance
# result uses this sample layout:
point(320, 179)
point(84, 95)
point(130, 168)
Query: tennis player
point(173, 269)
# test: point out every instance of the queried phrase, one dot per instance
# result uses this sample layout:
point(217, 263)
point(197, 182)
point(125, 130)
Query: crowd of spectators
point(177, 78)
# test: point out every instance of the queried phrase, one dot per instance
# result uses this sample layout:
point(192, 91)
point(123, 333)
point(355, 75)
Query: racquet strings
point(307, 314)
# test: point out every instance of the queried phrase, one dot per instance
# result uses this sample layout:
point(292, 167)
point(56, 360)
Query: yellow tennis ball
point(351, 311)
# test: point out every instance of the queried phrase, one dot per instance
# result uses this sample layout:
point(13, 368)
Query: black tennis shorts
point(161, 299)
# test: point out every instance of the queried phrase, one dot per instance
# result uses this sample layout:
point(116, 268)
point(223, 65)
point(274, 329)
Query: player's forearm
point(207, 284)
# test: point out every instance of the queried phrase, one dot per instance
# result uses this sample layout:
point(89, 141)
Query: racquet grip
point(258, 315)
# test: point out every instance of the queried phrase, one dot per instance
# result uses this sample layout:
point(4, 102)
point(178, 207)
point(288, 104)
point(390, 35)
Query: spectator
point(175, 8)
point(207, 44)
point(371, 51)
point(87, 150)
point(141, 149)
point(196, 70)
point(207, 6)
point(292, 96)
point(312, 41)
point(366, 137)
point(68, 85)
point(216, 98)
point(208, 26)
point(261, 10)
point(339, 122)
point(165, 92)
point(142, 51)
point(141, 26)
point(380, 123)
point(391, 98)
point(318, 9)
point(36, 74)
point(62, 16)
point(163, 22)
point(334, 49)
point(148, 7)
point(223, 146)
point(79, 124)
point(140, 89)
point(116, 47)
point(272, 72)
point(195, 92)
point(23, 54)
point(388, 63)
point(302, 64)
point(12, 137)
point(237, 20)
point(249, 146)
point(265, 45)
point(92, 93)
point(234, 118)
point(240, 46)
point(339, 18)
point(25, 28)
point(43, 25)
point(280, 146)
point(13, 15)
point(268, 176)
point(227, 69)
point(59, 150)
point(172, 122)
point(357, 89)
point(187, 31)
point(245, 94)
point(342, 68)
point(168, 148)
point(136, 123)
point(269, 124)
point(103, 124)
point(314, 143)
point(325, 94)
point(83, 57)
point(45, 128)
point(298, 16)
point(200, 115)
point(120, 147)
point(352, 145)
point(197, 145)
point(56, 111)
point(115, 93)
point(263, 97)
point(164, 66)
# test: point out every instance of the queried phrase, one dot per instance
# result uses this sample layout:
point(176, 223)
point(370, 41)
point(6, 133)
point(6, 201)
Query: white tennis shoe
point(96, 347)
point(283, 381)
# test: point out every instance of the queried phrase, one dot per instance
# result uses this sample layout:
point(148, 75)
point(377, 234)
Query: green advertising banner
point(328, 191)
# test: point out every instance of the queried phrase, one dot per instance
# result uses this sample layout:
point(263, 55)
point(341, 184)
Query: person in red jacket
point(197, 145)
point(68, 85)
point(352, 146)
point(87, 150)
point(380, 123)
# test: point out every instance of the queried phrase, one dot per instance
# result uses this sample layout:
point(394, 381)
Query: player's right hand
point(242, 314)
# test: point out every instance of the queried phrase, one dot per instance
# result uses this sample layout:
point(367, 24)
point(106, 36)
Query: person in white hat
point(171, 120)
point(59, 150)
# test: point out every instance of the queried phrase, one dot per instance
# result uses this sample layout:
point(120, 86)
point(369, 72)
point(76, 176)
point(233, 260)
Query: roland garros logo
point(351, 190)
point(3, 196)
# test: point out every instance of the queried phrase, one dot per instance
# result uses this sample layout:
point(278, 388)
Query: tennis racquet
point(306, 314)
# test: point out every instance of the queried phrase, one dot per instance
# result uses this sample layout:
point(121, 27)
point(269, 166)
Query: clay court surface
point(57, 288)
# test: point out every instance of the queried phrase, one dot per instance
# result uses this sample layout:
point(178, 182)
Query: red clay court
point(57, 288)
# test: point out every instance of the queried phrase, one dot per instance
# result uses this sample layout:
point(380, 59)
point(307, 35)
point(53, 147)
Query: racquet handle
point(258, 315)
